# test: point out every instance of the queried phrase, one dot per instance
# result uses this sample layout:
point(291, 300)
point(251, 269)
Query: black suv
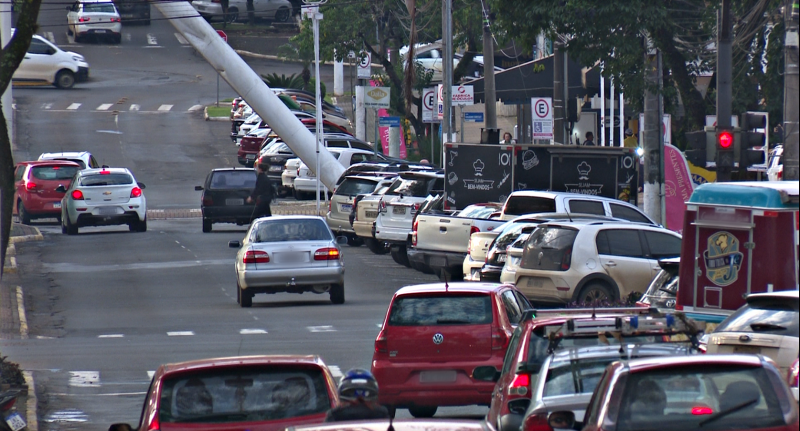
point(224, 198)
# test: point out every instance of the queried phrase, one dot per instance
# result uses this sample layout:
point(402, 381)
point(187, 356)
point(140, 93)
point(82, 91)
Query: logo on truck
point(723, 258)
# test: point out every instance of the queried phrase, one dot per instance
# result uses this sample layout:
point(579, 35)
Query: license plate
point(234, 202)
point(535, 282)
point(100, 31)
point(289, 257)
point(250, 156)
point(57, 205)
point(446, 376)
point(276, 168)
point(399, 210)
point(371, 214)
point(346, 208)
point(501, 258)
point(107, 210)
point(15, 421)
point(751, 350)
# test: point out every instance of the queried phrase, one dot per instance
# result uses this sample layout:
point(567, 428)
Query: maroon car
point(35, 185)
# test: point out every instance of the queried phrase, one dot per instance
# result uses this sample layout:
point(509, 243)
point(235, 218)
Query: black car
point(224, 198)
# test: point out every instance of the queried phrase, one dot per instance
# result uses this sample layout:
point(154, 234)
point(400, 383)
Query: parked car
point(84, 158)
point(775, 164)
point(258, 393)
point(249, 147)
point(35, 185)
point(365, 211)
point(341, 203)
point(429, 56)
point(102, 197)
point(274, 10)
point(592, 261)
point(49, 64)
point(224, 198)
point(514, 256)
point(305, 183)
point(524, 202)
point(94, 18)
point(435, 335)
point(290, 173)
point(662, 291)
point(292, 254)
point(396, 425)
point(133, 11)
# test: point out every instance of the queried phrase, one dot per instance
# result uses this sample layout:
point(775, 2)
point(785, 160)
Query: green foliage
point(312, 88)
point(283, 81)
point(10, 373)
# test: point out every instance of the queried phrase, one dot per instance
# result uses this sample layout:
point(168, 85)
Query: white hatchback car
point(275, 10)
point(46, 63)
point(94, 18)
point(83, 158)
point(102, 197)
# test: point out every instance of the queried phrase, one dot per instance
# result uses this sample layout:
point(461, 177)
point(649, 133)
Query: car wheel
point(245, 299)
point(71, 229)
point(400, 256)
point(375, 246)
point(238, 293)
point(142, 225)
point(116, 39)
point(282, 15)
point(392, 411)
point(595, 293)
point(422, 411)
point(207, 225)
point(65, 79)
point(24, 216)
point(69, 31)
point(354, 241)
point(337, 293)
point(233, 15)
point(63, 227)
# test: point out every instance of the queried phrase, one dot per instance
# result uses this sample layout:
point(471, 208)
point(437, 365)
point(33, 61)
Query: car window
point(106, 180)
point(337, 144)
point(99, 8)
point(228, 394)
point(595, 402)
point(292, 230)
point(508, 360)
point(511, 306)
point(358, 158)
point(510, 235)
point(78, 161)
point(360, 145)
point(619, 242)
point(521, 205)
point(93, 162)
point(39, 47)
point(538, 343)
point(549, 248)
point(356, 186)
point(19, 173)
point(777, 317)
point(628, 213)
point(662, 245)
point(430, 310)
point(523, 302)
point(54, 173)
point(576, 376)
point(587, 207)
point(477, 211)
point(416, 187)
point(233, 180)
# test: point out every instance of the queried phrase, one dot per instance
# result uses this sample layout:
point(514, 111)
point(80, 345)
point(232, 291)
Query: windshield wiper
point(451, 321)
point(766, 327)
point(731, 410)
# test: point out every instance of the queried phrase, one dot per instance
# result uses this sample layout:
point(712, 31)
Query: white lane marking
point(42, 337)
point(50, 37)
point(324, 328)
point(151, 39)
point(165, 107)
point(252, 331)
point(336, 372)
point(150, 374)
point(111, 336)
point(84, 379)
point(195, 108)
point(66, 267)
point(181, 39)
point(380, 325)
point(111, 394)
point(68, 415)
point(180, 333)
point(104, 106)
point(134, 107)
point(74, 106)
point(128, 37)
point(111, 132)
point(47, 106)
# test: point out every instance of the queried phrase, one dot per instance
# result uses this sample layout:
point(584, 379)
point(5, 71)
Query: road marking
point(111, 132)
point(50, 37)
point(181, 39)
point(104, 107)
point(380, 325)
point(128, 37)
point(336, 372)
point(84, 379)
point(195, 108)
point(69, 268)
point(134, 107)
point(111, 336)
point(180, 333)
point(73, 106)
point(324, 328)
point(69, 415)
point(150, 374)
point(151, 39)
point(47, 106)
point(165, 107)
point(252, 331)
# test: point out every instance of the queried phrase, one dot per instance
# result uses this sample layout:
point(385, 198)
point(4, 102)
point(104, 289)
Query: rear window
point(292, 230)
point(233, 180)
point(627, 213)
point(549, 248)
point(777, 317)
point(99, 8)
point(356, 186)
point(416, 187)
point(106, 180)
point(431, 310)
point(243, 394)
point(573, 377)
point(54, 172)
point(521, 205)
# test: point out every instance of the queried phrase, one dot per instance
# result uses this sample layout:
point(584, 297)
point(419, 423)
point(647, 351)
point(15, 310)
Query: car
point(250, 146)
point(365, 211)
point(396, 425)
point(698, 392)
point(775, 164)
point(257, 393)
point(292, 254)
point(224, 198)
point(94, 18)
point(593, 261)
point(522, 202)
point(290, 173)
point(767, 324)
point(274, 10)
point(328, 114)
point(101, 197)
point(662, 291)
point(435, 335)
point(429, 57)
point(45, 63)
point(133, 11)
point(305, 183)
point(514, 257)
point(84, 158)
point(35, 185)
point(341, 204)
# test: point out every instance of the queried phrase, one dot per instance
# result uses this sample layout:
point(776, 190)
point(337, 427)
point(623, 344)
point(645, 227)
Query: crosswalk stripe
point(134, 107)
point(324, 328)
point(180, 333)
point(165, 107)
point(195, 108)
point(252, 331)
point(84, 379)
point(74, 106)
point(181, 39)
point(104, 106)
point(151, 39)
point(111, 336)
point(150, 374)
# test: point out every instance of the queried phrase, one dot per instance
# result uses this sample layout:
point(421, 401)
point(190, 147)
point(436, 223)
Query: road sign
point(223, 35)
point(389, 122)
point(473, 117)
point(365, 66)
point(429, 105)
point(463, 95)
point(542, 118)
point(377, 97)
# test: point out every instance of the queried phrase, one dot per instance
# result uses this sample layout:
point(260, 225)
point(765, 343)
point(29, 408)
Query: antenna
point(446, 284)
point(568, 214)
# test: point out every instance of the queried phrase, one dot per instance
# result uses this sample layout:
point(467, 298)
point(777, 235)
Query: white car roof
point(111, 170)
point(76, 154)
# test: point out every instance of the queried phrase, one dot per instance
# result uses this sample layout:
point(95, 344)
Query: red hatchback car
point(35, 184)
point(433, 338)
point(255, 393)
point(702, 392)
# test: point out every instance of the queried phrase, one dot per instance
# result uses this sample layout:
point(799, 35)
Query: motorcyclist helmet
point(358, 383)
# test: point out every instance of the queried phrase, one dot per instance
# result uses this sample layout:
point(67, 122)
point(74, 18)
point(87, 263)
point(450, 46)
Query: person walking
point(262, 193)
point(358, 398)
point(630, 140)
point(589, 139)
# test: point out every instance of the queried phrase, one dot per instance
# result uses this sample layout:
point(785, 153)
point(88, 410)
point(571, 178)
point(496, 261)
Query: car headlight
point(78, 58)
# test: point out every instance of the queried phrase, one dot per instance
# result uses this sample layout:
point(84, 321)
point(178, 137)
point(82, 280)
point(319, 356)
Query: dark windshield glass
point(416, 187)
point(441, 310)
point(292, 230)
point(233, 180)
point(577, 376)
point(549, 248)
point(521, 205)
point(356, 186)
point(54, 172)
point(773, 317)
point(106, 180)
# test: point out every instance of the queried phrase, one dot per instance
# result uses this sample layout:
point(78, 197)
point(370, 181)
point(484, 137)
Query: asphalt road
point(106, 307)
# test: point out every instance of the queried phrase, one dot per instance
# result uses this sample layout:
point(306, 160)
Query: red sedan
point(255, 393)
point(35, 185)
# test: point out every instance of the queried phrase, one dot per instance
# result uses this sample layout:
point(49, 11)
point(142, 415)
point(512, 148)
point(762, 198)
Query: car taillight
point(255, 256)
point(499, 339)
point(77, 195)
point(115, 20)
point(414, 233)
point(537, 422)
point(83, 19)
point(794, 374)
point(416, 207)
point(520, 384)
point(327, 253)
point(136, 192)
point(702, 410)
point(381, 345)
point(154, 424)
point(207, 201)
point(383, 205)
point(330, 205)
point(566, 260)
point(30, 186)
point(105, 172)
point(474, 229)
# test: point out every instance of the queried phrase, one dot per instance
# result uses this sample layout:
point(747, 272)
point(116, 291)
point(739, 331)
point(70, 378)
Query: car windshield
point(700, 398)
point(510, 235)
point(233, 180)
point(243, 395)
point(54, 172)
point(416, 187)
point(520, 205)
point(109, 179)
point(448, 309)
point(776, 316)
point(549, 248)
point(286, 230)
point(356, 186)
point(99, 8)
point(575, 376)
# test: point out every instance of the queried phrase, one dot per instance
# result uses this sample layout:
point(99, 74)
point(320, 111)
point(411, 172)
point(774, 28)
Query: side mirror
point(198, 188)
point(234, 244)
point(561, 420)
point(486, 373)
point(61, 188)
point(120, 427)
point(341, 240)
point(141, 185)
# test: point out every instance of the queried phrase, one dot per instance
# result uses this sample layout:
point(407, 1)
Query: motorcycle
point(12, 420)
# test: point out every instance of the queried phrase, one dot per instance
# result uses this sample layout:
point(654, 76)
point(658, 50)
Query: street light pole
point(312, 11)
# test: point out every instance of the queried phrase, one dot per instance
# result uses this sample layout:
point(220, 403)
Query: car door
point(38, 63)
point(623, 258)
point(264, 8)
point(661, 245)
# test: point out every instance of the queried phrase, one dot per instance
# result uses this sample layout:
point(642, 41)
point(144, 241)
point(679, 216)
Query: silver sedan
point(292, 254)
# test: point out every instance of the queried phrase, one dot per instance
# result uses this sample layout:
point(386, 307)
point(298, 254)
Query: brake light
point(77, 195)
point(702, 410)
point(115, 20)
point(154, 425)
point(327, 253)
point(83, 19)
point(255, 256)
point(794, 374)
point(136, 192)
point(474, 229)
point(207, 201)
point(416, 207)
point(537, 422)
point(105, 172)
point(520, 384)
point(566, 260)
point(30, 186)
point(499, 339)
point(383, 205)
point(414, 233)
point(381, 345)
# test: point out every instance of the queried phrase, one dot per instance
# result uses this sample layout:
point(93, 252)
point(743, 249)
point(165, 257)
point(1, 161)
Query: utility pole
point(559, 104)
point(488, 78)
point(652, 137)
point(447, 77)
point(724, 88)
point(791, 122)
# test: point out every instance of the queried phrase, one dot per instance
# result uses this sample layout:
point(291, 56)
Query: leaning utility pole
point(652, 137)
point(791, 122)
point(490, 99)
point(559, 104)
point(724, 86)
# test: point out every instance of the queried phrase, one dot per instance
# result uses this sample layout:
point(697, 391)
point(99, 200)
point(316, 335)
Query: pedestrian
point(358, 398)
point(262, 193)
point(507, 139)
point(778, 133)
point(589, 139)
point(424, 162)
point(630, 140)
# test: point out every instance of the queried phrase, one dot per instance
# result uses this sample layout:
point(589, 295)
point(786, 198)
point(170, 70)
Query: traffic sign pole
point(225, 38)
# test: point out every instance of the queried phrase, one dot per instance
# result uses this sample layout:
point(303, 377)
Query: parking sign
point(542, 118)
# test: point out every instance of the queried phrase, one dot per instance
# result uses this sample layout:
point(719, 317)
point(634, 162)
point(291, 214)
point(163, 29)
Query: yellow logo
point(377, 93)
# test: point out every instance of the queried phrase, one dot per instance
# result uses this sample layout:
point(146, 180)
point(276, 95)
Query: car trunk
point(116, 194)
point(400, 212)
point(48, 178)
point(283, 255)
point(479, 244)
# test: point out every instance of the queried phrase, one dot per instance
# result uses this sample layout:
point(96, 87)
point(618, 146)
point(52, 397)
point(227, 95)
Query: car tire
point(375, 246)
point(354, 241)
point(422, 411)
point(400, 256)
point(142, 225)
point(282, 15)
point(69, 31)
point(245, 299)
point(595, 292)
point(238, 293)
point(65, 79)
point(233, 15)
point(69, 227)
point(207, 225)
point(337, 293)
point(24, 216)
point(116, 39)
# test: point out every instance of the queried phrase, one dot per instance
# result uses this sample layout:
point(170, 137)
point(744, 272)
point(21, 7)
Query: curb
point(32, 416)
point(207, 118)
point(11, 268)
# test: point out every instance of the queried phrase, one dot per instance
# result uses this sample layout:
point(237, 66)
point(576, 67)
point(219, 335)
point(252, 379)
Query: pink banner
point(678, 187)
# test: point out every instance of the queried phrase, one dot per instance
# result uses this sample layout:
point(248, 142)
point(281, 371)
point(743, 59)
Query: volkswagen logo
point(744, 338)
point(438, 338)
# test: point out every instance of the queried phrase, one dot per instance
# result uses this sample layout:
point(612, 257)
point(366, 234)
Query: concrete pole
point(791, 122)
point(600, 139)
point(361, 114)
point(447, 78)
point(205, 40)
point(724, 80)
point(394, 141)
point(611, 120)
point(5, 37)
point(338, 78)
point(559, 107)
point(621, 120)
point(651, 138)
point(313, 13)
point(490, 104)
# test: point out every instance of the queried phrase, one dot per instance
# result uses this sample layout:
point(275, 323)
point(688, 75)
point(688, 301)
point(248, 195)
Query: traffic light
point(724, 140)
point(696, 148)
point(725, 154)
point(752, 148)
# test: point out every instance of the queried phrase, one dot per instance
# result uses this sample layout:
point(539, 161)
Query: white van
point(47, 63)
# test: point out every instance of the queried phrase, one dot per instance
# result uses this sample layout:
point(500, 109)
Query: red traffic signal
point(725, 140)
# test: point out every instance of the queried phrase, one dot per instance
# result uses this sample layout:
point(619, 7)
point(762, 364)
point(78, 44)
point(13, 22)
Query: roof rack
point(555, 312)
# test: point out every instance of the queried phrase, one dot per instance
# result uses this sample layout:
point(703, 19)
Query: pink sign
point(678, 187)
point(384, 132)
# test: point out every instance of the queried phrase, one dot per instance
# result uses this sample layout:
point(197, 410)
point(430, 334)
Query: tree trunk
point(251, 13)
point(692, 99)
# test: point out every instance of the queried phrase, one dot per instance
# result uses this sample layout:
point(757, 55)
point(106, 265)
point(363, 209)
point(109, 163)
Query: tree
point(10, 58)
